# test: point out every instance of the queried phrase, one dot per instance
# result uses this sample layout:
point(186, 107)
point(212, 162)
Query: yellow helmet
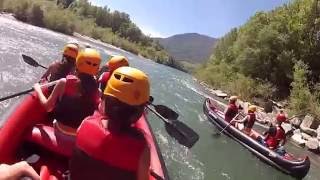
point(129, 85)
point(252, 108)
point(70, 50)
point(88, 61)
point(116, 62)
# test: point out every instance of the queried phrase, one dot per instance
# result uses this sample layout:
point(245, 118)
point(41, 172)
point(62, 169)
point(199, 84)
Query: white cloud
point(151, 31)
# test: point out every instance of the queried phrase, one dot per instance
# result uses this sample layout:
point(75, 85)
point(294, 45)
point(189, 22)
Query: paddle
point(178, 130)
point(27, 91)
point(219, 133)
point(29, 60)
point(165, 111)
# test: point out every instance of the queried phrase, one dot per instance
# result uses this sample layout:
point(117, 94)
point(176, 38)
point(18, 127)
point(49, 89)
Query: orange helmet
point(252, 108)
point(117, 61)
point(88, 61)
point(129, 85)
point(70, 50)
point(281, 117)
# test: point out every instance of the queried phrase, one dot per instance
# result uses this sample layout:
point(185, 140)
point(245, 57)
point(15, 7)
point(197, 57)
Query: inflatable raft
point(27, 132)
point(296, 167)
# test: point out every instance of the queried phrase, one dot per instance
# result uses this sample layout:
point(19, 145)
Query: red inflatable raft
point(22, 135)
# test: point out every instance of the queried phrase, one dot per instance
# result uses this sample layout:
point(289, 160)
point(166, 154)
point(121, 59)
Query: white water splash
point(225, 175)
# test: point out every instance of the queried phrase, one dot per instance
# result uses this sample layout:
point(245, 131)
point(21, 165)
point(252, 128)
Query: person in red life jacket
point(60, 69)
point(248, 121)
point(275, 137)
point(74, 97)
point(108, 145)
point(20, 170)
point(232, 109)
point(114, 63)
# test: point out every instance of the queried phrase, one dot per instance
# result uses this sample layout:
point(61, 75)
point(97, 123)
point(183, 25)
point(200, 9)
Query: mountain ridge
point(191, 47)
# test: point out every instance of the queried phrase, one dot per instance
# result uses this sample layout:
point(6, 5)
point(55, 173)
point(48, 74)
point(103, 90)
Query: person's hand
point(17, 171)
point(37, 87)
point(43, 80)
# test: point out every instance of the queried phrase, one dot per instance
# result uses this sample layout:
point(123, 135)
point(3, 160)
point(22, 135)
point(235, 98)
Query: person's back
point(232, 109)
point(109, 155)
point(276, 135)
point(74, 97)
point(107, 145)
point(76, 104)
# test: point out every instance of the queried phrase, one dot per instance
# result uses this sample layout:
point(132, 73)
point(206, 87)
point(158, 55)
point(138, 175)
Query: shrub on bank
point(223, 76)
point(301, 98)
point(60, 20)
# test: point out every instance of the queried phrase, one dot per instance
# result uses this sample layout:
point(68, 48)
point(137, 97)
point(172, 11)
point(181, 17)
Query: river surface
point(211, 158)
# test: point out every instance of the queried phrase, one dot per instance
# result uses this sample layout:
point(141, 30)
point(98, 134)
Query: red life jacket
point(274, 140)
point(103, 80)
point(72, 108)
point(100, 154)
point(250, 121)
point(231, 112)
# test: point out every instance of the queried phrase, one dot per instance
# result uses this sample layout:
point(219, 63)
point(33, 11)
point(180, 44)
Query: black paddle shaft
point(17, 94)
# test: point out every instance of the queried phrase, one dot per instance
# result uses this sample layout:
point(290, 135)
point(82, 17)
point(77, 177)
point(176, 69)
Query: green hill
point(191, 47)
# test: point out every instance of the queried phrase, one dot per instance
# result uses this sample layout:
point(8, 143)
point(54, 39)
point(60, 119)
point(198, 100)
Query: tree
point(300, 96)
point(21, 11)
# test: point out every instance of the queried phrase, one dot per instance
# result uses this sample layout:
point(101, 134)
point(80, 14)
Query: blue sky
point(163, 18)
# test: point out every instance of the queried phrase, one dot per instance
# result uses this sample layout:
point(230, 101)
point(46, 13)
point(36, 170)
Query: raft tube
point(296, 167)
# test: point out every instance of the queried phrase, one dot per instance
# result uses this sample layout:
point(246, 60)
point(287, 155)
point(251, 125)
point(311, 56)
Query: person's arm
point(17, 171)
point(57, 92)
point(144, 165)
point(283, 141)
point(241, 120)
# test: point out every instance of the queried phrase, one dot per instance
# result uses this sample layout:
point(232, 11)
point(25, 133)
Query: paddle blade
point(182, 133)
point(166, 112)
point(29, 60)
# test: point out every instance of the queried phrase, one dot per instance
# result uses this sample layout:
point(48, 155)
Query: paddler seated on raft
point(247, 122)
point(114, 63)
point(60, 69)
point(232, 109)
point(74, 97)
point(108, 145)
point(275, 137)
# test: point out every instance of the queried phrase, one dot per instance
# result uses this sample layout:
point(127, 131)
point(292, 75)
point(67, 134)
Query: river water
point(211, 158)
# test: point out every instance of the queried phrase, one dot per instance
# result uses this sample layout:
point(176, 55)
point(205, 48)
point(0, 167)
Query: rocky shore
point(303, 130)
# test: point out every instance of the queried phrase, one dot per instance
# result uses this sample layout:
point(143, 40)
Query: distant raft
point(296, 167)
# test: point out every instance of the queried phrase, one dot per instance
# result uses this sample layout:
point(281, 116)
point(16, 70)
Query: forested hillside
point(275, 54)
point(68, 16)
